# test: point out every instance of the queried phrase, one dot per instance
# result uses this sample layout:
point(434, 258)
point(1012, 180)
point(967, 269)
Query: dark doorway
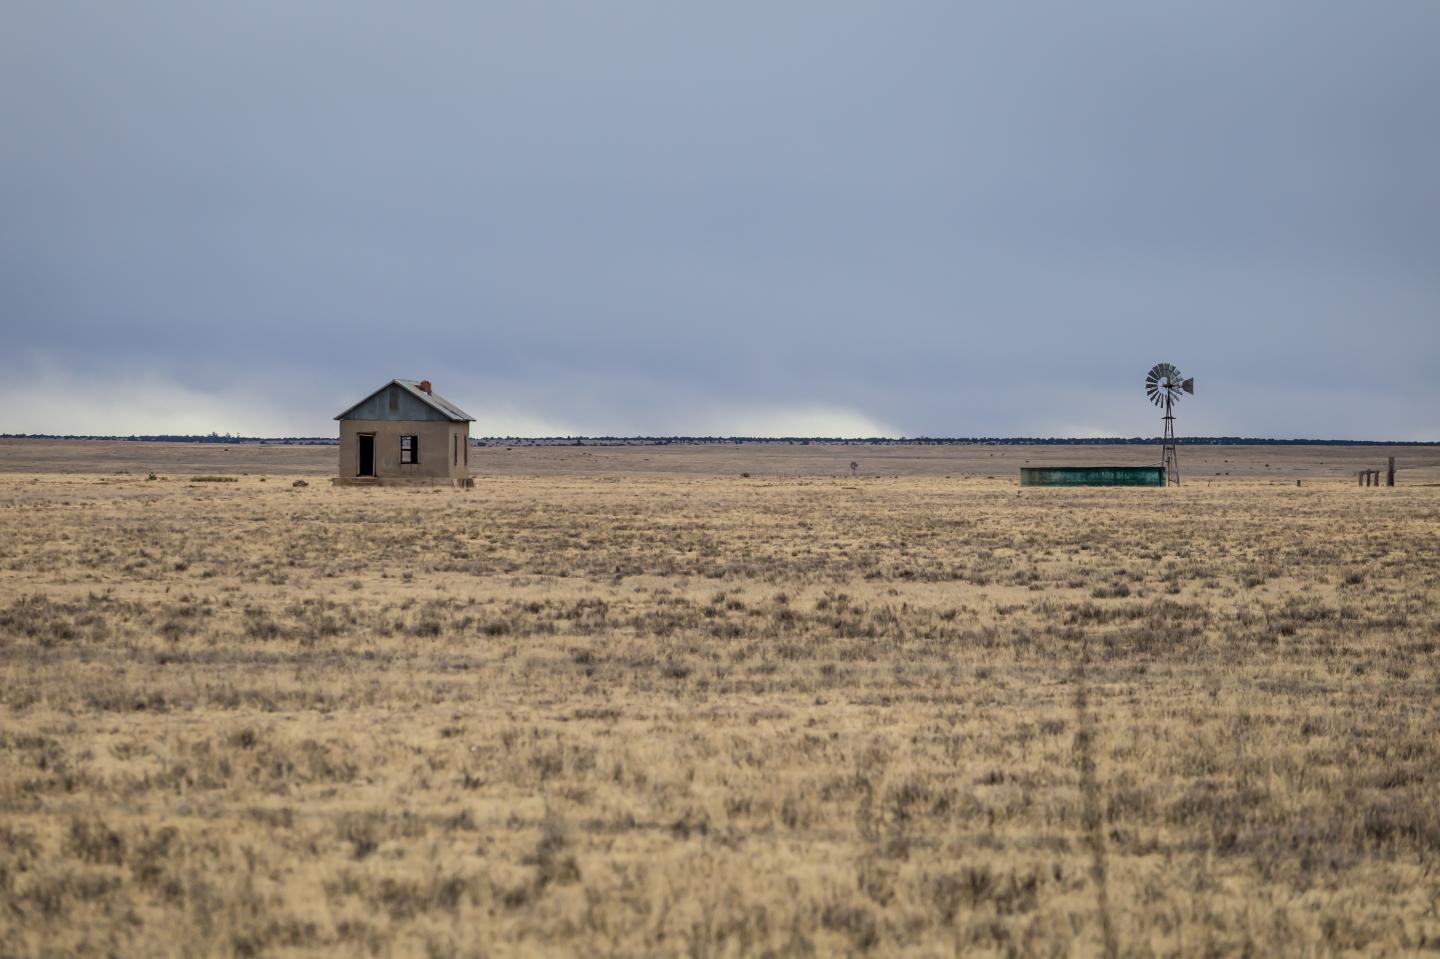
point(367, 455)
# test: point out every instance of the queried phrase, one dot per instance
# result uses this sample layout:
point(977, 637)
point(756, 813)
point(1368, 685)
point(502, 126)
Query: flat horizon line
point(715, 440)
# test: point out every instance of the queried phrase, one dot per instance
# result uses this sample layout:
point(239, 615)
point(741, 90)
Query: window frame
point(409, 451)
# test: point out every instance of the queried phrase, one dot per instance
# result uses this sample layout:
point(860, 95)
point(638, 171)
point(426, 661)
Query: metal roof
point(449, 410)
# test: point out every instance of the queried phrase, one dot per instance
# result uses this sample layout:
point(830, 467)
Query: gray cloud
point(644, 217)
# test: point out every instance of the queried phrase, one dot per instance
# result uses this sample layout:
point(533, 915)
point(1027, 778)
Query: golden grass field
point(629, 702)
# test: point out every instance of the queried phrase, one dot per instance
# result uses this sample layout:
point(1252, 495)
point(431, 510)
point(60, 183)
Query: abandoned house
point(403, 433)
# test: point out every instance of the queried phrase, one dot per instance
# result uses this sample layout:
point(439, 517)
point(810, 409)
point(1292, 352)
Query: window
point(455, 449)
point(409, 448)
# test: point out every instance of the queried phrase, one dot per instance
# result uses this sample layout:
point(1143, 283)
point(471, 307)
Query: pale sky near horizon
point(808, 218)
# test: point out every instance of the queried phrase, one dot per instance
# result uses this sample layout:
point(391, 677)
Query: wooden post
point(1390, 473)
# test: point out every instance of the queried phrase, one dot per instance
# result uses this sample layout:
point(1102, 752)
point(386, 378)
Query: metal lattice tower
point(1168, 458)
point(1164, 385)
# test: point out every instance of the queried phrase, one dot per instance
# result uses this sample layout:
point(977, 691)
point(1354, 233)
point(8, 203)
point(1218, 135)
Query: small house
point(404, 433)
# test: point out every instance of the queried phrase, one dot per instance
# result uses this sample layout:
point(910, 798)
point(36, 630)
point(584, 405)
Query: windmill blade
point(1162, 383)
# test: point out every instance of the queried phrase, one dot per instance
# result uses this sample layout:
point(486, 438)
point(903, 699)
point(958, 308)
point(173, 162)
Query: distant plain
point(1419, 463)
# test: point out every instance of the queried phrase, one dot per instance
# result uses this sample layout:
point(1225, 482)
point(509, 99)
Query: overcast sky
point(742, 218)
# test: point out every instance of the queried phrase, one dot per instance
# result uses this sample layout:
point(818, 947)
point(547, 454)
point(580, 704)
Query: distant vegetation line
point(755, 440)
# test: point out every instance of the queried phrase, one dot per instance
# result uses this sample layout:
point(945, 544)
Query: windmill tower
point(1164, 385)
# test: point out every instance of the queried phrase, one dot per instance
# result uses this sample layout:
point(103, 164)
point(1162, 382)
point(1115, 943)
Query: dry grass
point(631, 714)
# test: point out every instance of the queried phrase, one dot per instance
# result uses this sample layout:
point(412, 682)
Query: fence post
point(1390, 473)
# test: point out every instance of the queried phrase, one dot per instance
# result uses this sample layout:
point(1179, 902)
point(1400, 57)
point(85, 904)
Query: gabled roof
point(439, 404)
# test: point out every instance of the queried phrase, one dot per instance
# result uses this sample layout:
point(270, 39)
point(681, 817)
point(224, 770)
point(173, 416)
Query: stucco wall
point(441, 445)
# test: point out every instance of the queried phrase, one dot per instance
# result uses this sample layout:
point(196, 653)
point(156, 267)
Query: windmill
point(1164, 384)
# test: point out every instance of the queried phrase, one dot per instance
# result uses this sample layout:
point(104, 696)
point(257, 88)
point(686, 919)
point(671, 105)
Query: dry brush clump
point(716, 717)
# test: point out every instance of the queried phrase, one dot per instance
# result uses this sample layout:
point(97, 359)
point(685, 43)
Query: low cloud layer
point(50, 400)
point(44, 397)
point(785, 421)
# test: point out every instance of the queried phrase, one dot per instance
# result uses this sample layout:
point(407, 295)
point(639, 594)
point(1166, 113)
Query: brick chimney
point(425, 385)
